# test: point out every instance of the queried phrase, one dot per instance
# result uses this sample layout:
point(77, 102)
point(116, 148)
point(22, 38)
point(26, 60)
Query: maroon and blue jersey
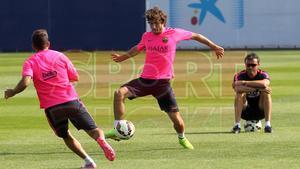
point(261, 75)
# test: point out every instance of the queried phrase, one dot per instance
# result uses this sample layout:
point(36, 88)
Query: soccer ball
point(252, 125)
point(125, 129)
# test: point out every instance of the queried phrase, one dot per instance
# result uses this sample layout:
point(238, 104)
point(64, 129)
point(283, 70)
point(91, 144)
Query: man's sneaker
point(268, 129)
point(107, 149)
point(236, 129)
point(112, 135)
point(185, 143)
point(89, 166)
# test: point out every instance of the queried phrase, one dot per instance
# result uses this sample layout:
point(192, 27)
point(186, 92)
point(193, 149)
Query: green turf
point(205, 99)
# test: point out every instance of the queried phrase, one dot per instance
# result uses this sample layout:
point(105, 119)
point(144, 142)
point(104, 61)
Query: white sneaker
point(89, 166)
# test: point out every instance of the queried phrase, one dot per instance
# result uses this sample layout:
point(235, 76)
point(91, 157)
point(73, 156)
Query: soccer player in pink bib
point(52, 74)
point(160, 47)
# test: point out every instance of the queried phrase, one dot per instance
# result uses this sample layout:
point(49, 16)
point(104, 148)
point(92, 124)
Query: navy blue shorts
point(252, 110)
point(74, 111)
point(160, 89)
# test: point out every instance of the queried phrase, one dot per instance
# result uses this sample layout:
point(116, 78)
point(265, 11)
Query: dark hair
point(40, 39)
point(251, 56)
point(156, 15)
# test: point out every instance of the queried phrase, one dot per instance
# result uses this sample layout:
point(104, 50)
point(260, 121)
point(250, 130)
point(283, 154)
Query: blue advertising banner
point(72, 24)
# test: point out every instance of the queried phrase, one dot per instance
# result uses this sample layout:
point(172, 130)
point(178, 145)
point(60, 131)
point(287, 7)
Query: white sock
point(181, 135)
point(116, 122)
point(268, 123)
point(88, 159)
point(237, 124)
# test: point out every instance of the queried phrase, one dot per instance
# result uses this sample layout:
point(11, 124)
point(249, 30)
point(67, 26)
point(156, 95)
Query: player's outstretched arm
point(120, 58)
point(21, 86)
point(202, 39)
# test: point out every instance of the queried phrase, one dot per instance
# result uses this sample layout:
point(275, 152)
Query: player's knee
point(119, 94)
point(265, 95)
point(239, 95)
point(62, 134)
point(94, 133)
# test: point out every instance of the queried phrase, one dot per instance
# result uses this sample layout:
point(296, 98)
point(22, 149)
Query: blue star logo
point(207, 6)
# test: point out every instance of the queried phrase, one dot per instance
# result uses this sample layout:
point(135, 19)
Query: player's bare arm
point(244, 89)
point(120, 58)
point(242, 86)
point(258, 84)
point(21, 86)
point(202, 39)
point(239, 87)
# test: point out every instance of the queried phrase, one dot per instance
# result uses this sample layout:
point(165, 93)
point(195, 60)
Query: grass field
point(203, 90)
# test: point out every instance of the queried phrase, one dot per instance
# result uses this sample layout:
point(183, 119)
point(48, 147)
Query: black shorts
point(74, 111)
point(160, 89)
point(252, 110)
